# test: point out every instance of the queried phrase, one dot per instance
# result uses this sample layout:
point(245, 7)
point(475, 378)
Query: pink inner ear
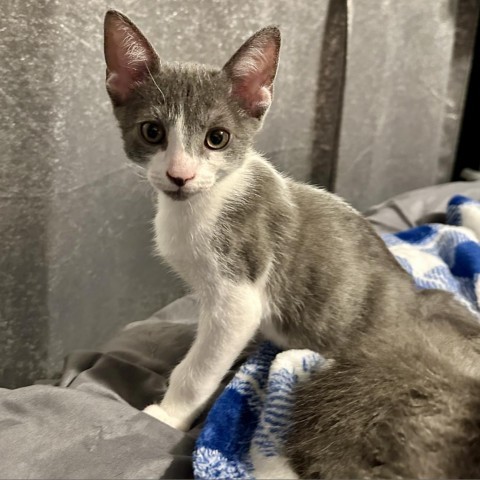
point(128, 56)
point(252, 77)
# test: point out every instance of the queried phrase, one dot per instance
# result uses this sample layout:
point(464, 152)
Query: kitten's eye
point(152, 132)
point(217, 139)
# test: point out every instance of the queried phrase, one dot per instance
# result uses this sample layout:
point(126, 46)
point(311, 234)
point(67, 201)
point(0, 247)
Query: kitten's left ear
point(129, 56)
point(252, 70)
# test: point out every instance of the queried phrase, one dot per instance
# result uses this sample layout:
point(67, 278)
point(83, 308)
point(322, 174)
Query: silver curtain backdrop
point(77, 260)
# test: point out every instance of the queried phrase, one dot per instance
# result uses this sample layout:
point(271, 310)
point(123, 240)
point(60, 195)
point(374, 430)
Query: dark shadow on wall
point(329, 98)
point(25, 186)
point(467, 54)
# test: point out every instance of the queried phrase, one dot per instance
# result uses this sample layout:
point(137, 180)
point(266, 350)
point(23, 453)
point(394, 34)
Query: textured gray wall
point(77, 257)
point(401, 90)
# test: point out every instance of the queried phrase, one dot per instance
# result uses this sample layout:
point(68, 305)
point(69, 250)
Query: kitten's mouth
point(179, 194)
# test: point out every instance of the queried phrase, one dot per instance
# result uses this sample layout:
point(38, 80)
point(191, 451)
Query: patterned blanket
point(246, 428)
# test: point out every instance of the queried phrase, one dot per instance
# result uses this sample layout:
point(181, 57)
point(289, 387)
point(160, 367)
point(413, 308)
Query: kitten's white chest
point(185, 229)
point(183, 235)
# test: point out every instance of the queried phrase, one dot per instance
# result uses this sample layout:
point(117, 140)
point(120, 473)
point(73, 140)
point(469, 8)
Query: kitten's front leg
point(225, 327)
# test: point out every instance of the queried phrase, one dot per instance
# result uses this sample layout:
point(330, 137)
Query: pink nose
point(179, 181)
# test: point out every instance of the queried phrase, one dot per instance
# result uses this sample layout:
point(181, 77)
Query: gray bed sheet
point(90, 424)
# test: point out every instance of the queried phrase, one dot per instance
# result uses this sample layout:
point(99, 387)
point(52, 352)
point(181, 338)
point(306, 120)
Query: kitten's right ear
point(252, 71)
point(129, 56)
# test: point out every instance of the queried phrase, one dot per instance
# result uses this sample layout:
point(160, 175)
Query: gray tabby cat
point(266, 254)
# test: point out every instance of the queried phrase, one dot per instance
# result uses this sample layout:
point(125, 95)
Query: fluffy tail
point(402, 409)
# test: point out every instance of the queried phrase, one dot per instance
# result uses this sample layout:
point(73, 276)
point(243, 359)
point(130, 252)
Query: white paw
point(156, 411)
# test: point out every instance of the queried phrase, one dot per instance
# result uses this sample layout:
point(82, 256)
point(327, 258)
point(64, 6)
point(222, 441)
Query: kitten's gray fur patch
point(402, 397)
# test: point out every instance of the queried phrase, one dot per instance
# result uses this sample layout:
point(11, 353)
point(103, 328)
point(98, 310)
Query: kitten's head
point(190, 125)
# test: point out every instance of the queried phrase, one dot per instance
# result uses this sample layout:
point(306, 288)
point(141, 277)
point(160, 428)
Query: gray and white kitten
point(266, 254)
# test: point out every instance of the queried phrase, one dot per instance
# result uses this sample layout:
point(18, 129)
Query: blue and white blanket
point(245, 429)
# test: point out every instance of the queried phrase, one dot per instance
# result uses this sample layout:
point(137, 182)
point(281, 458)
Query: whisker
point(155, 83)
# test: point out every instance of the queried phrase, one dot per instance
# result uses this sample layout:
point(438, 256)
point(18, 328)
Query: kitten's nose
point(179, 181)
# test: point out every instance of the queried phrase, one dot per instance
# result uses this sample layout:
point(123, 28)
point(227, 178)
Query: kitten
point(262, 252)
